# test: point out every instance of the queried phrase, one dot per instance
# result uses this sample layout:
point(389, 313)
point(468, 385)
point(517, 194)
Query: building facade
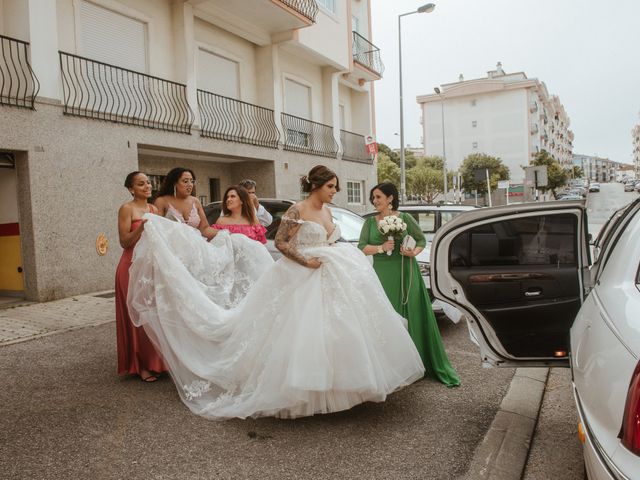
point(600, 169)
point(94, 89)
point(505, 115)
point(635, 134)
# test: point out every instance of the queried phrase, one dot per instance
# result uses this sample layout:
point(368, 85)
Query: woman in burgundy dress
point(239, 215)
point(136, 353)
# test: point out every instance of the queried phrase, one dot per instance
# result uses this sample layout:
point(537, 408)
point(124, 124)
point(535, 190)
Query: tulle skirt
point(246, 337)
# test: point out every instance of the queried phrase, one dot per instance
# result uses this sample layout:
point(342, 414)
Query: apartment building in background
point(600, 169)
point(93, 89)
point(635, 134)
point(506, 115)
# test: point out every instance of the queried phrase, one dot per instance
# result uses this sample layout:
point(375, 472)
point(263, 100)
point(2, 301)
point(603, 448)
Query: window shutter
point(297, 99)
point(109, 37)
point(217, 74)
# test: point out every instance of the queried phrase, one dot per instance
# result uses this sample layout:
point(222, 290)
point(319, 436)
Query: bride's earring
point(174, 191)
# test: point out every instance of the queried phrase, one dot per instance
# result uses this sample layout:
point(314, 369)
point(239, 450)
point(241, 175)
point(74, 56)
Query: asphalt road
point(65, 414)
point(555, 450)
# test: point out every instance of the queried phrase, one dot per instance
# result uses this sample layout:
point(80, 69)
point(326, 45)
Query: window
point(297, 98)
point(113, 38)
point(217, 74)
point(328, 5)
point(448, 216)
point(474, 144)
point(354, 192)
point(534, 240)
point(474, 123)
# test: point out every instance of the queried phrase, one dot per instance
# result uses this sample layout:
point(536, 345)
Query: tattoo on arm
point(288, 229)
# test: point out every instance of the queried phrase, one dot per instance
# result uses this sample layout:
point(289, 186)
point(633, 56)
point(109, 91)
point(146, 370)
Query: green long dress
point(423, 328)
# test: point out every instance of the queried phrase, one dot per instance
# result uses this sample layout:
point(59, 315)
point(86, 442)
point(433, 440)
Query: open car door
point(520, 274)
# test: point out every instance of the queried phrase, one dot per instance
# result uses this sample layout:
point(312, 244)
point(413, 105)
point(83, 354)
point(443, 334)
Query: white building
point(600, 169)
point(93, 89)
point(504, 115)
point(635, 133)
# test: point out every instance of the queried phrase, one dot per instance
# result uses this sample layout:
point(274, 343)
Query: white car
point(523, 276)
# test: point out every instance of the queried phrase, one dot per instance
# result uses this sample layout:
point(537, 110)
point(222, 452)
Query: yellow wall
point(10, 260)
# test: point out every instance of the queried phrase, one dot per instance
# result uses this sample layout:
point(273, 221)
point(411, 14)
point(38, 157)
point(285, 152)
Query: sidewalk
point(25, 322)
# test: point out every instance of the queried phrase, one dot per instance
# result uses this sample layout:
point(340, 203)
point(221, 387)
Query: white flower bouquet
point(391, 226)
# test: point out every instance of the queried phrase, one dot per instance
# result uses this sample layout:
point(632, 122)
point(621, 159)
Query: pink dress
point(135, 350)
point(254, 232)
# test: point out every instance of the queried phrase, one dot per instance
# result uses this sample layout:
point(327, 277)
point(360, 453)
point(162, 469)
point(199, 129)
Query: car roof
point(438, 206)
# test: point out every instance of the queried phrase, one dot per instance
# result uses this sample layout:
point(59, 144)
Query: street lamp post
point(444, 151)
point(427, 8)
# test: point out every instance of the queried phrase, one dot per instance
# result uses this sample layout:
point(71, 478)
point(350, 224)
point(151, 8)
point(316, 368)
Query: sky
point(586, 51)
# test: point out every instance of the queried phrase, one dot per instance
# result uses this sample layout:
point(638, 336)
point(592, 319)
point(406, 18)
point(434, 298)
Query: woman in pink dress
point(176, 201)
point(239, 215)
point(136, 353)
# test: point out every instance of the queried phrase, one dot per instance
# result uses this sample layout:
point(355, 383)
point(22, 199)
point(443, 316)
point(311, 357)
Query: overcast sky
point(586, 51)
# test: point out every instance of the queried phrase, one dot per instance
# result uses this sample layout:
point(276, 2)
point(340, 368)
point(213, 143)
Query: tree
point(387, 170)
point(556, 175)
point(575, 172)
point(409, 156)
point(432, 161)
point(425, 182)
point(480, 161)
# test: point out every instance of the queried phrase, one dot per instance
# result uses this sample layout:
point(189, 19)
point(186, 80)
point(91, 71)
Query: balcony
point(228, 119)
point(367, 56)
point(105, 92)
point(305, 136)
point(353, 147)
point(258, 20)
point(534, 129)
point(533, 107)
point(18, 84)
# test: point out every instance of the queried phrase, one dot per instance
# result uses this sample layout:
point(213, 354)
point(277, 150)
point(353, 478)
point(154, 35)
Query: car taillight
point(630, 431)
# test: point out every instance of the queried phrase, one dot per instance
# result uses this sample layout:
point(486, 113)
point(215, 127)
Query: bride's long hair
point(248, 211)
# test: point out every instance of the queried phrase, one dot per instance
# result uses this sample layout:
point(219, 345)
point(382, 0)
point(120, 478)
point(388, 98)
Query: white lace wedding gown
point(246, 337)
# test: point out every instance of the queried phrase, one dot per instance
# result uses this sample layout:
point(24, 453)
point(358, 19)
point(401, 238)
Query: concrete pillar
point(43, 36)
point(185, 52)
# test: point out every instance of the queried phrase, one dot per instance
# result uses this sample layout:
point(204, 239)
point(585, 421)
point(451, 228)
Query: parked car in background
point(430, 218)
point(523, 276)
point(571, 197)
point(629, 187)
point(350, 223)
point(594, 187)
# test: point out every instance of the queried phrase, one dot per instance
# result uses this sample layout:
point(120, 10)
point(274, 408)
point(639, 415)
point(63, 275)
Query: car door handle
point(507, 277)
point(533, 293)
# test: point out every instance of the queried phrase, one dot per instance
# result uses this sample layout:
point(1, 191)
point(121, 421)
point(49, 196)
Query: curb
point(502, 454)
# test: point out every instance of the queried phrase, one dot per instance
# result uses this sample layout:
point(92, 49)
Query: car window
point(447, 216)
point(426, 220)
point(350, 224)
point(534, 240)
point(614, 230)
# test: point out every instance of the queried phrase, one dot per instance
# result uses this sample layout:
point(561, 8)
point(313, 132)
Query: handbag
point(408, 242)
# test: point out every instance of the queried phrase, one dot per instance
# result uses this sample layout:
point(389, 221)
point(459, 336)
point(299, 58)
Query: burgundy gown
point(135, 350)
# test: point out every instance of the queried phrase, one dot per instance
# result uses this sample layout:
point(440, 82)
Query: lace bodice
point(312, 234)
point(174, 214)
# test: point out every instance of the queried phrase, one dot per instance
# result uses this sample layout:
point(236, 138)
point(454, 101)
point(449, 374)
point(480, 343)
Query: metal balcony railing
point(18, 84)
point(236, 121)
point(353, 147)
point(105, 92)
point(306, 8)
point(305, 136)
point(367, 54)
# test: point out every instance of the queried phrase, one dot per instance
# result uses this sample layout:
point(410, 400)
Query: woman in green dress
point(401, 279)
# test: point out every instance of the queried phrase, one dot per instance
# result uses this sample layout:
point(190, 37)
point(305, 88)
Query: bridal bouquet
point(391, 226)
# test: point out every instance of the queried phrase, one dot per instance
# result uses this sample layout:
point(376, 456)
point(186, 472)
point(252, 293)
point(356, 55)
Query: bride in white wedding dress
point(245, 337)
